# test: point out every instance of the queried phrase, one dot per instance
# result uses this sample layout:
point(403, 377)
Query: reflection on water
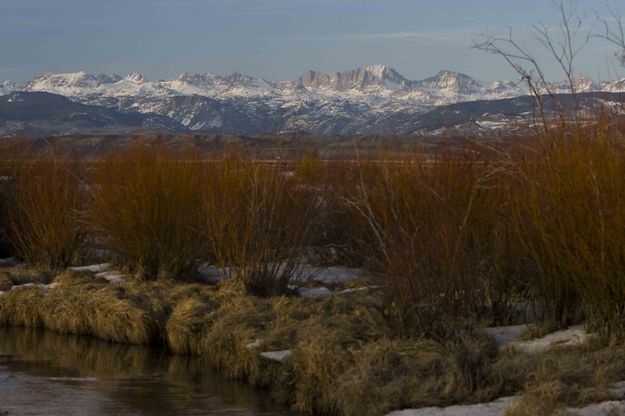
point(47, 373)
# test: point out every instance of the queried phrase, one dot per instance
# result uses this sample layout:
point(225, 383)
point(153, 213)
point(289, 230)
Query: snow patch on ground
point(609, 408)
point(94, 268)
point(356, 290)
point(495, 408)
point(103, 271)
point(487, 124)
point(37, 285)
point(508, 336)
point(322, 292)
point(113, 277)
point(573, 336)
point(618, 390)
point(278, 356)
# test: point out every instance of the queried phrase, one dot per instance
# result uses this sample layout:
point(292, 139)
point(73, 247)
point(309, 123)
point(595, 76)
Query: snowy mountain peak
point(65, 84)
point(364, 78)
point(135, 77)
point(210, 84)
point(453, 82)
point(196, 79)
point(377, 68)
point(380, 72)
point(614, 86)
point(581, 83)
point(381, 75)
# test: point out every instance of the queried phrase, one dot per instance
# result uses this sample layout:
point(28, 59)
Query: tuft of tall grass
point(144, 207)
point(570, 215)
point(439, 243)
point(258, 221)
point(43, 210)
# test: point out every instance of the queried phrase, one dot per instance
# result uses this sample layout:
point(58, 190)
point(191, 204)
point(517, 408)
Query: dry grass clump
point(552, 398)
point(20, 275)
point(185, 325)
point(132, 313)
point(237, 323)
point(6, 283)
point(395, 374)
point(354, 368)
point(258, 221)
point(20, 307)
point(144, 207)
point(560, 378)
point(44, 211)
point(342, 356)
point(544, 402)
point(78, 305)
point(323, 334)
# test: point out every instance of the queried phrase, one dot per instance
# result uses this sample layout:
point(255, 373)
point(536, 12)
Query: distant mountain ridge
point(375, 80)
point(361, 100)
point(41, 114)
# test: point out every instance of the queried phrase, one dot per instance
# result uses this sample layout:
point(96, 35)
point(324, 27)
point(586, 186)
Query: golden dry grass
point(20, 275)
point(186, 323)
point(85, 308)
point(346, 359)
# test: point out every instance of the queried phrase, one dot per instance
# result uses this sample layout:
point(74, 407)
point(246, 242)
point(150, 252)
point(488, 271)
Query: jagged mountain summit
point(362, 100)
point(366, 78)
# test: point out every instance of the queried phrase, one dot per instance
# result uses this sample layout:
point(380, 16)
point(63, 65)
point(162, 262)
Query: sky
point(280, 39)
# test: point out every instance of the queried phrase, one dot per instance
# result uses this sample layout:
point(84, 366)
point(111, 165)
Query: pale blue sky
point(274, 39)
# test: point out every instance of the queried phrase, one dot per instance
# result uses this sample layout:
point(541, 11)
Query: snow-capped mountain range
point(377, 81)
point(362, 100)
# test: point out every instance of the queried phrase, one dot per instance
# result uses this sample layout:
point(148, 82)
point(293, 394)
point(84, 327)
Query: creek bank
point(329, 354)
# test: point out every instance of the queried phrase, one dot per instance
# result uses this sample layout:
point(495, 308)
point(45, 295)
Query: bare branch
point(614, 32)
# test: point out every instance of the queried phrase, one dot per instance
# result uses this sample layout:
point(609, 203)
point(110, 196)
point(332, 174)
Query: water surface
point(44, 373)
